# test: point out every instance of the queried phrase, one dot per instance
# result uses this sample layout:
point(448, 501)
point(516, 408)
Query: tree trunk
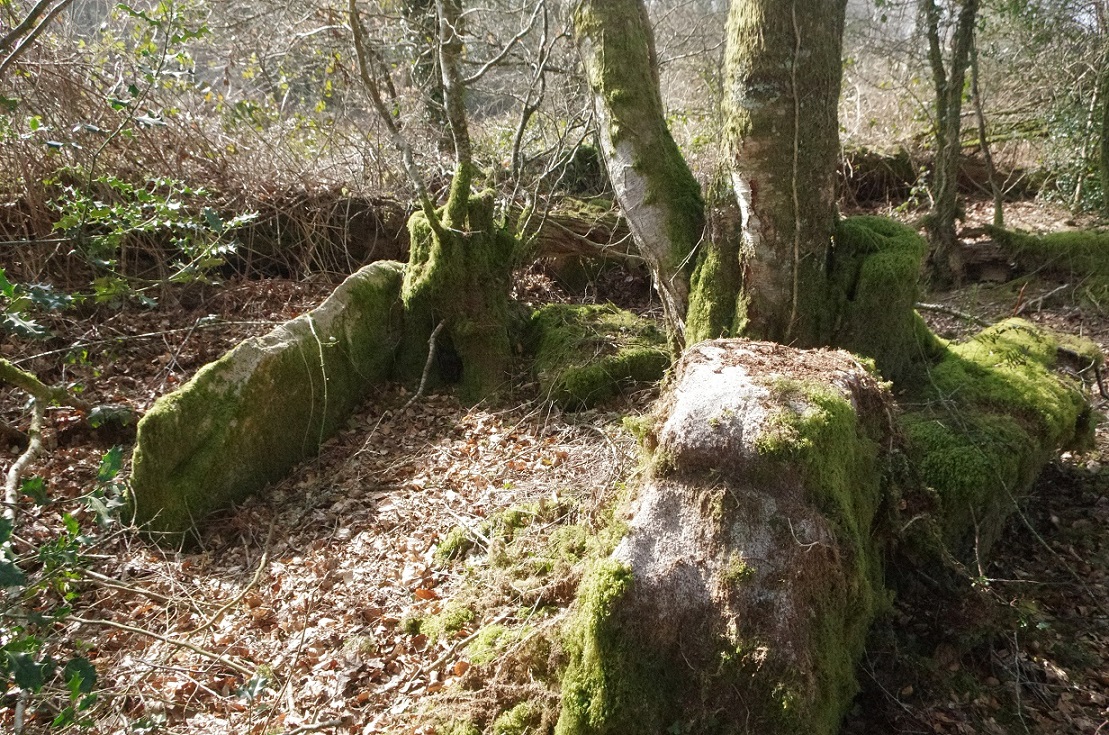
point(983, 141)
point(461, 257)
point(945, 264)
point(653, 184)
point(783, 71)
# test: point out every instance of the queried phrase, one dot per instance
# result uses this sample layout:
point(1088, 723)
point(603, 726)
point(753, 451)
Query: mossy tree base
point(459, 273)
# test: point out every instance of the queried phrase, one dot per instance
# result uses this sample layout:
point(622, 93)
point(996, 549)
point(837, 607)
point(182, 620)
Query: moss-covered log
point(246, 419)
point(587, 354)
point(991, 413)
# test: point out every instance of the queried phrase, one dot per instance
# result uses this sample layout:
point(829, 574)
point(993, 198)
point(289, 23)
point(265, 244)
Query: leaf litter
point(325, 604)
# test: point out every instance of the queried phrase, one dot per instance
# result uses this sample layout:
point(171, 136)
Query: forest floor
point(407, 576)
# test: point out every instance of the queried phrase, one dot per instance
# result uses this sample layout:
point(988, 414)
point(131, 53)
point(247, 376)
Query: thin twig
point(253, 582)
point(950, 311)
point(315, 727)
point(229, 663)
point(427, 365)
point(115, 584)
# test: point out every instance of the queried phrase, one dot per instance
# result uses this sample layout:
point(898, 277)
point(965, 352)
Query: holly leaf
point(35, 489)
point(28, 673)
point(80, 676)
point(23, 327)
point(6, 287)
point(11, 575)
point(110, 464)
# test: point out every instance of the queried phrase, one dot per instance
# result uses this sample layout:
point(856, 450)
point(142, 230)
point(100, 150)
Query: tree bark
point(983, 140)
point(944, 265)
point(653, 184)
point(783, 69)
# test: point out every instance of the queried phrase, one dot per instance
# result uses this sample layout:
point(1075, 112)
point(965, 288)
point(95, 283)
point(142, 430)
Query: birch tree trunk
point(653, 184)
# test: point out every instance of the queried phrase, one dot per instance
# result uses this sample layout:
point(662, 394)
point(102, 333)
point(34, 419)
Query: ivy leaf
point(251, 689)
point(6, 528)
point(11, 575)
point(35, 489)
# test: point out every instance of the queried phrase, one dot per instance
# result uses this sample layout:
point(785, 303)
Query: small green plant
point(20, 304)
point(107, 217)
point(41, 665)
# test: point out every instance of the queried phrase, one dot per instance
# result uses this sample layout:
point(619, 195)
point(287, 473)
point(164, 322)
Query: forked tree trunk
point(653, 184)
point(783, 72)
point(944, 265)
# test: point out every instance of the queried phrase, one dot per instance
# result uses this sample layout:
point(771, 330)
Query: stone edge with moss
point(244, 420)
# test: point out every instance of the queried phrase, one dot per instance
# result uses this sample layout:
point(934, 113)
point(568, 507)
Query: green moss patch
point(588, 354)
point(614, 683)
point(875, 274)
point(990, 415)
point(1080, 256)
point(246, 419)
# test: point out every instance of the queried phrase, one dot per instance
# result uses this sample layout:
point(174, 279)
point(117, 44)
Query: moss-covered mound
point(741, 598)
point(876, 265)
point(1079, 256)
point(244, 420)
point(991, 414)
point(587, 354)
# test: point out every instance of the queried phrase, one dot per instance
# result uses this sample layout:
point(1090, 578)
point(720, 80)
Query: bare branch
point(541, 5)
point(30, 38)
point(369, 80)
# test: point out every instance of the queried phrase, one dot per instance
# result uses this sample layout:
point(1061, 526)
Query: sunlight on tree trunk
point(653, 184)
point(783, 72)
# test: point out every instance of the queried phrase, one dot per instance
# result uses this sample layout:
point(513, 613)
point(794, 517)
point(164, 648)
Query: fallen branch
point(229, 663)
point(43, 393)
point(315, 727)
point(427, 366)
point(942, 309)
point(1038, 302)
point(15, 472)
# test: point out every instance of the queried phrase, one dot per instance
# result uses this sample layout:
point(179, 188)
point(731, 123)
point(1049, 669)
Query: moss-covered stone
point(741, 598)
point(246, 419)
point(615, 683)
point(587, 354)
point(983, 425)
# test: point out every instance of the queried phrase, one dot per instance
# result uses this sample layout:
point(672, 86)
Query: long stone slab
point(244, 420)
